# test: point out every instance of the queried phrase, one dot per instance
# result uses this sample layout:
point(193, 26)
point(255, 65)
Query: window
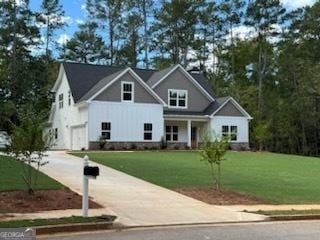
point(69, 98)
point(106, 130)
point(56, 133)
point(234, 133)
point(178, 98)
point(147, 131)
point(61, 100)
point(127, 91)
point(225, 131)
point(172, 133)
point(230, 131)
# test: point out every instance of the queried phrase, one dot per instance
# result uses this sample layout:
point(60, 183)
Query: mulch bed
point(42, 200)
point(225, 197)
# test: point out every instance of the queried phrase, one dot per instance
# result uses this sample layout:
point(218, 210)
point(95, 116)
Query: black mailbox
point(91, 171)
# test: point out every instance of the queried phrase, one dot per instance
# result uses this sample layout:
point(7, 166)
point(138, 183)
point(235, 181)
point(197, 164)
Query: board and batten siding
point(66, 118)
point(241, 122)
point(127, 120)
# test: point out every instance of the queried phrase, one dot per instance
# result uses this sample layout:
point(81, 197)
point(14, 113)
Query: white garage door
point(78, 138)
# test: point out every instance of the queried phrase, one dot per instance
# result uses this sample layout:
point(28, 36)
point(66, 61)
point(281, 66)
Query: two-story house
point(143, 108)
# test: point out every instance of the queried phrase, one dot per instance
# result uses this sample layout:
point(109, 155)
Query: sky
point(74, 14)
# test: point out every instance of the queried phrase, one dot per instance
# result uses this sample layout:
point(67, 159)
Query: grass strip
point(55, 221)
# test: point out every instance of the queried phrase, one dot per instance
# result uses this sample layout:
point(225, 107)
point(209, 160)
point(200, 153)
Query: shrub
point(213, 150)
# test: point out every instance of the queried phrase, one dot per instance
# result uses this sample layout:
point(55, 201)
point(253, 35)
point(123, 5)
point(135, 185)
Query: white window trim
point(148, 131)
point(172, 133)
point(60, 101)
point(106, 131)
point(177, 106)
point(69, 98)
point(132, 92)
point(229, 132)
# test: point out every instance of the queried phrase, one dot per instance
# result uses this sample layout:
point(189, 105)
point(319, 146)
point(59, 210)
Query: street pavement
point(294, 230)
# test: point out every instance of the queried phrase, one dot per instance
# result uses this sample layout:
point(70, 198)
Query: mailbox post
point(85, 195)
point(88, 172)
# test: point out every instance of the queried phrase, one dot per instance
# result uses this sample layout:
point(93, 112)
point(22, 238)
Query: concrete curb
point(75, 227)
point(294, 217)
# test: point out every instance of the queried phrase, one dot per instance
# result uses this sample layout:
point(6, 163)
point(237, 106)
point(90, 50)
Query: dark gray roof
point(84, 77)
point(208, 111)
point(156, 76)
point(100, 84)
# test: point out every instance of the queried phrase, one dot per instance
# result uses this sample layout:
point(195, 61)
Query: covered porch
point(185, 132)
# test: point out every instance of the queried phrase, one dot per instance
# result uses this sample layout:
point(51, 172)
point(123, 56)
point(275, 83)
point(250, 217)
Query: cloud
point(67, 20)
point(293, 4)
point(80, 21)
point(63, 39)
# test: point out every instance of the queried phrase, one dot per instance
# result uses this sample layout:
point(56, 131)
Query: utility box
point(91, 172)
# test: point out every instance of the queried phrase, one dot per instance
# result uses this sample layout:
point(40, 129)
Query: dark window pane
point(148, 136)
point(168, 129)
point(127, 87)
point(148, 127)
point(182, 103)
point(175, 129)
point(173, 94)
point(127, 96)
point(106, 135)
point(182, 95)
point(173, 102)
point(234, 129)
point(106, 126)
point(225, 129)
point(175, 137)
point(233, 137)
point(168, 137)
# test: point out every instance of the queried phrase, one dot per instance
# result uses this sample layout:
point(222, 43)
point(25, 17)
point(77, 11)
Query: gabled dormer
point(180, 90)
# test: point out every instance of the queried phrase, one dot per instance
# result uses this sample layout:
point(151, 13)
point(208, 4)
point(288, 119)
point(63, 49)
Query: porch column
point(189, 133)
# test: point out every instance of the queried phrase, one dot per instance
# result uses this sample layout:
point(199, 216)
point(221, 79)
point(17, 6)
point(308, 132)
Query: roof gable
point(229, 107)
point(82, 77)
point(164, 74)
point(113, 92)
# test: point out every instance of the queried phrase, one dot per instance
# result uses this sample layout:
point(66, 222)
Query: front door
point(194, 142)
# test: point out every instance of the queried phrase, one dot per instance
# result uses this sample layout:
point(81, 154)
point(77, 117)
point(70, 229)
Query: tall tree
point(175, 28)
point(108, 14)
point(129, 51)
point(86, 46)
point(18, 38)
point(232, 11)
point(51, 16)
point(264, 16)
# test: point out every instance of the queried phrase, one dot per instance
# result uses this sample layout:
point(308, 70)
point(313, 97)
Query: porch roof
point(213, 106)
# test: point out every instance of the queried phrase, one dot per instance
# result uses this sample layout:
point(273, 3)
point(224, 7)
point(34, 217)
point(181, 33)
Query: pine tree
point(51, 16)
point(86, 46)
point(108, 14)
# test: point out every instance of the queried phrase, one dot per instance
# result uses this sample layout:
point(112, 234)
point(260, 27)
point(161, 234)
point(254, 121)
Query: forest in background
point(273, 71)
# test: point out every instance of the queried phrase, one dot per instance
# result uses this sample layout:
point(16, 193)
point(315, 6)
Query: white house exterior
point(137, 108)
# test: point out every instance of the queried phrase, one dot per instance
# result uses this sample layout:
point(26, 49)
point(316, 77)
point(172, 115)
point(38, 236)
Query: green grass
point(54, 221)
point(11, 176)
point(289, 212)
point(276, 178)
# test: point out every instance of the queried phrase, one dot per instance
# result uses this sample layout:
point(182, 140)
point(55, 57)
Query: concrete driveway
point(137, 202)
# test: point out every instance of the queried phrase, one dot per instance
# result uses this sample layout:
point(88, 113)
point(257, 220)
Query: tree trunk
point(145, 23)
point(47, 39)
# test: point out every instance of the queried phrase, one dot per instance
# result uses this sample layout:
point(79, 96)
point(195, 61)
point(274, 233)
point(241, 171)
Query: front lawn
point(11, 177)
point(275, 178)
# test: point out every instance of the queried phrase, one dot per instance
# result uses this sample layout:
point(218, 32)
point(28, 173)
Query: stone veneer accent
point(125, 145)
point(156, 145)
point(241, 146)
